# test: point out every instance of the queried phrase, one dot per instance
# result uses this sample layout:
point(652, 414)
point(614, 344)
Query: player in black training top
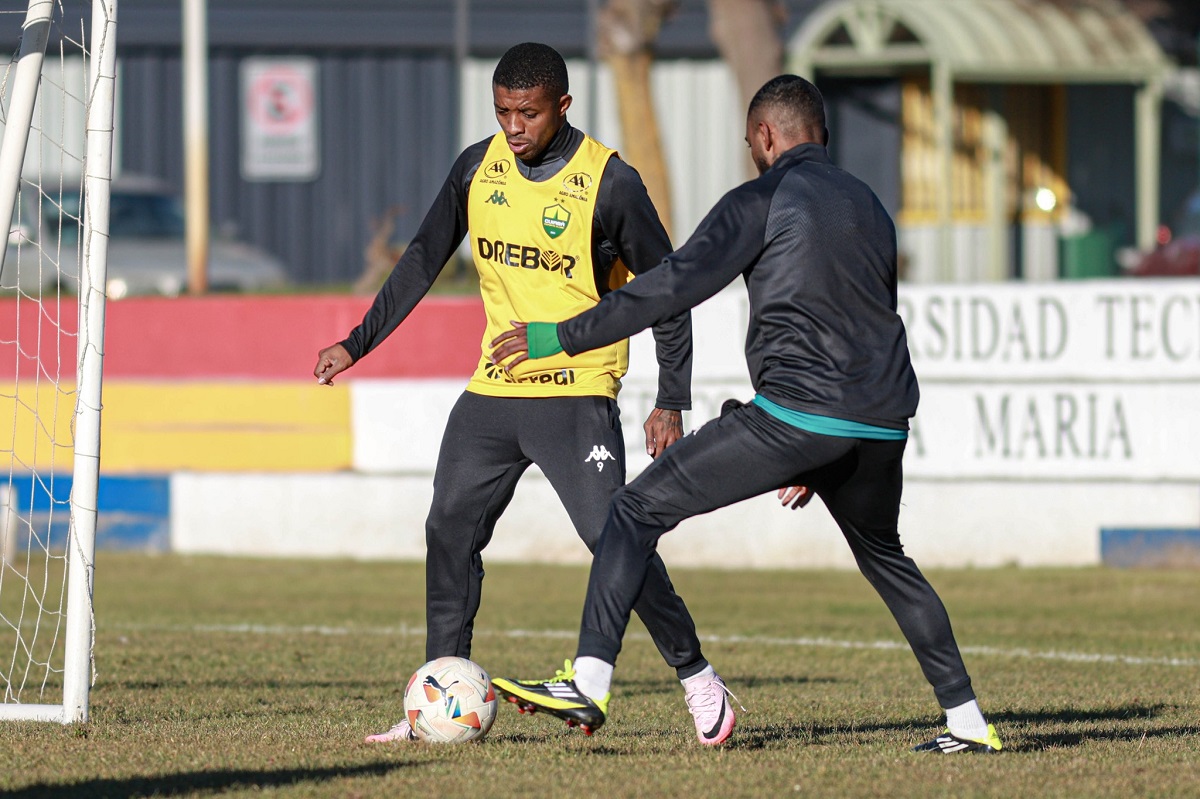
point(829, 361)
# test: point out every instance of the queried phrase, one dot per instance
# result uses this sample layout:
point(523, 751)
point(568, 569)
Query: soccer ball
point(450, 701)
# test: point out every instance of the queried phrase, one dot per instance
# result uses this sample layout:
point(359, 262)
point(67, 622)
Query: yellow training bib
point(532, 245)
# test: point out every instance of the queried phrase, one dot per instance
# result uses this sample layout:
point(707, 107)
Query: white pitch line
point(756, 640)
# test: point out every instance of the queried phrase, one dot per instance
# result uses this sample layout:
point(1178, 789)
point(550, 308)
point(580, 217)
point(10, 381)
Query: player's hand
point(514, 341)
point(663, 428)
point(331, 361)
point(797, 496)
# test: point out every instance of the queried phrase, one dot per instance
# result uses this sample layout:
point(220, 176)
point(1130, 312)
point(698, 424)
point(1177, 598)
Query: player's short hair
point(530, 65)
point(795, 103)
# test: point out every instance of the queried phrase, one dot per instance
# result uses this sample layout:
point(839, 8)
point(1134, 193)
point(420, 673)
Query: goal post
point(58, 94)
point(27, 76)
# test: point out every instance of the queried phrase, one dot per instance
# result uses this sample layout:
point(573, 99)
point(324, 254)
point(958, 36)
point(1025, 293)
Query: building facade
point(396, 88)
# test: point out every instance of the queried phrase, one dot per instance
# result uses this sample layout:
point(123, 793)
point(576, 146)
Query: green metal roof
point(1061, 41)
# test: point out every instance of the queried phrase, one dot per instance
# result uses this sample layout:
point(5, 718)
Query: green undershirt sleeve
point(543, 339)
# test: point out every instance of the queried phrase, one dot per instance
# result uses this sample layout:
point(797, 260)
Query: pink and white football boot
point(708, 700)
point(399, 732)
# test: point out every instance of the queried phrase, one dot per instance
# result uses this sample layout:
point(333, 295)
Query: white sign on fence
point(1130, 330)
point(280, 135)
point(1048, 413)
point(1090, 380)
point(1075, 381)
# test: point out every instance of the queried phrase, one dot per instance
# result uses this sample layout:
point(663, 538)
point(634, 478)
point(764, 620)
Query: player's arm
point(431, 248)
point(631, 227)
point(728, 242)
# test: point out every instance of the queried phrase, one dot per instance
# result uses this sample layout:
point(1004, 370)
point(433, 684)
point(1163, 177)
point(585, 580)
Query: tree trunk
point(749, 37)
point(627, 30)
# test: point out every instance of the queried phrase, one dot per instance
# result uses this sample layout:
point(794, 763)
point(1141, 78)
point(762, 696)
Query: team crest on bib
point(555, 219)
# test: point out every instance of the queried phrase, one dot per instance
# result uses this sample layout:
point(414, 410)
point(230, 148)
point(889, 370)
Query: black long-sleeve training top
point(625, 225)
point(818, 255)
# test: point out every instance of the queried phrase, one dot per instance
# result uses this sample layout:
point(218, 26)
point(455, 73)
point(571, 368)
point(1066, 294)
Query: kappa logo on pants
point(599, 454)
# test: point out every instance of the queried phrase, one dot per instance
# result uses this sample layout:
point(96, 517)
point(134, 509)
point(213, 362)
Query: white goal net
point(57, 79)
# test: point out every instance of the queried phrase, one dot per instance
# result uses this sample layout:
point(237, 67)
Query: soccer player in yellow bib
point(554, 219)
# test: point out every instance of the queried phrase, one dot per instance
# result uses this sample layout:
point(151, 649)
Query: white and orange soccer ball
point(451, 701)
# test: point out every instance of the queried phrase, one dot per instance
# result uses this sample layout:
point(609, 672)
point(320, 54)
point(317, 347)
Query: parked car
point(1179, 255)
point(146, 251)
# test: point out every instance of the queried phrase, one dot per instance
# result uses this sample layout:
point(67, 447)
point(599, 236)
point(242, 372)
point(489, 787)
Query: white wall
point(1048, 412)
point(944, 524)
point(920, 244)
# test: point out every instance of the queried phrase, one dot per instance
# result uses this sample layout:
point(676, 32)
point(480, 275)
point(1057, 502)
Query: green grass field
point(221, 677)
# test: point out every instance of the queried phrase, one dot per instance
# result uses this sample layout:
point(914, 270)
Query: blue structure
point(1150, 547)
point(134, 513)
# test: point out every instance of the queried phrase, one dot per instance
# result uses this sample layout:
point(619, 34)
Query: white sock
point(593, 677)
point(967, 721)
point(707, 673)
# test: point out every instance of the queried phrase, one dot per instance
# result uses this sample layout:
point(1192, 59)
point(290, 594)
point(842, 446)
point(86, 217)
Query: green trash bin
point(1088, 254)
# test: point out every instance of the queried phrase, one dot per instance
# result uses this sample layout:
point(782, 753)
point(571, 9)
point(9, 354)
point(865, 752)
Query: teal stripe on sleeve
point(828, 425)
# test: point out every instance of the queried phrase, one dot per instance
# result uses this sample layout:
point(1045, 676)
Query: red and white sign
point(280, 106)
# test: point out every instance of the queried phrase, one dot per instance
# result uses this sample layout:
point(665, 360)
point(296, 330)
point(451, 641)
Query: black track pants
point(488, 444)
point(745, 453)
